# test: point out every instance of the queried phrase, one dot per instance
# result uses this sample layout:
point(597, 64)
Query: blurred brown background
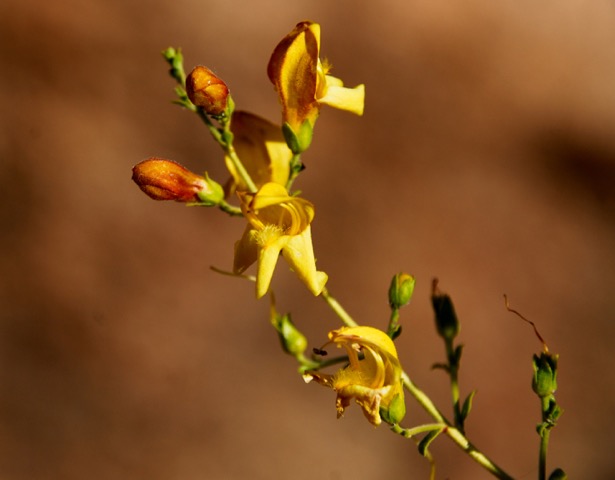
point(486, 157)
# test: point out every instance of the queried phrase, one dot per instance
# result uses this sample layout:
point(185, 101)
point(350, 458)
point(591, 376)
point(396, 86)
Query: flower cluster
point(262, 158)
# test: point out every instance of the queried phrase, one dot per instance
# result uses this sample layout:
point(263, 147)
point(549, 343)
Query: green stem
point(230, 209)
point(544, 442)
point(410, 432)
point(295, 169)
point(453, 370)
point(241, 170)
point(393, 322)
point(453, 433)
point(542, 459)
point(225, 140)
point(338, 309)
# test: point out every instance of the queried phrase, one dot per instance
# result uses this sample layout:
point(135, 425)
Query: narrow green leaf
point(441, 366)
point(467, 405)
point(426, 441)
point(458, 352)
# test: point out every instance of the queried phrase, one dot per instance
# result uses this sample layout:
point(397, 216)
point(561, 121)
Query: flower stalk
point(456, 435)
point(263, 161)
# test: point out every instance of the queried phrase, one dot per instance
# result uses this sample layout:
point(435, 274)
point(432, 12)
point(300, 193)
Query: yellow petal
point(246, 251)
point(363, 335)
point(273, 205)
point(268, 255)
point(293, 71)
point(343, 98)
point(263, 151)
point(270, 194)
point(299, 253)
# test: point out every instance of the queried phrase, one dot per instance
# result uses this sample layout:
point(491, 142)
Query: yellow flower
point(277, 223)
point(262, 149)
point(302, 80)
point(374, 381)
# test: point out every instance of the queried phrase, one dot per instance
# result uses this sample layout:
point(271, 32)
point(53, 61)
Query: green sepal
point(395, 333)
point(550, 416)
point(426, 441)
point(224, 118)
point(396, 410)
point(298, 142)
point(212, 195)
point(467, 405)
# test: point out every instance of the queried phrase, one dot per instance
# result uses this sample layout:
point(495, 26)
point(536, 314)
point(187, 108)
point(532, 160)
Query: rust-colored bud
point(164, 179)
point(206, 90)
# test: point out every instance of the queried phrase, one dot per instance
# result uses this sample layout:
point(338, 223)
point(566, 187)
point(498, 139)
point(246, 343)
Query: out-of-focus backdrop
point(486, 158)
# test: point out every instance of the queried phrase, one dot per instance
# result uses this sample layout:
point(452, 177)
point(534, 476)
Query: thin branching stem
point(453, 433)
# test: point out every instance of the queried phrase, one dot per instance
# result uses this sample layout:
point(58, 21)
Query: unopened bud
point(395, 411)
point(401, 289)
point(292, 340)
point(206, 90)
point(447, 323)
point(544, 381)
point(163, 179)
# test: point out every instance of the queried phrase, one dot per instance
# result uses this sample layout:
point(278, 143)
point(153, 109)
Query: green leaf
point(467, 405)
point(457, 354)
point(426, 441)
point(441, 366)
point(396, 333)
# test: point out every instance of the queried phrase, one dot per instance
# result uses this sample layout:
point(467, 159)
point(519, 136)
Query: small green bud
point(395, 411)
point(212, 193)
point(544, 381)
point(401, 289)
point(558, 474)
point(175, 59)
point(292, 340)
point(447, 324)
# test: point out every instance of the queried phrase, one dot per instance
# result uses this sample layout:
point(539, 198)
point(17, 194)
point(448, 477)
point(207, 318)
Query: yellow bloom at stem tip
point(302, 80)
point(277, 223)
point(262, 149)
point(372, 376)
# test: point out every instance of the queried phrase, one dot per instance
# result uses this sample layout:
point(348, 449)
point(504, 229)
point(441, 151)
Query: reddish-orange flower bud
point(164, 179)
point(207, 90)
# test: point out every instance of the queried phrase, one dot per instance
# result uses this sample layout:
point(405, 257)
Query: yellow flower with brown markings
point(372, 377)
point(302, 80)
